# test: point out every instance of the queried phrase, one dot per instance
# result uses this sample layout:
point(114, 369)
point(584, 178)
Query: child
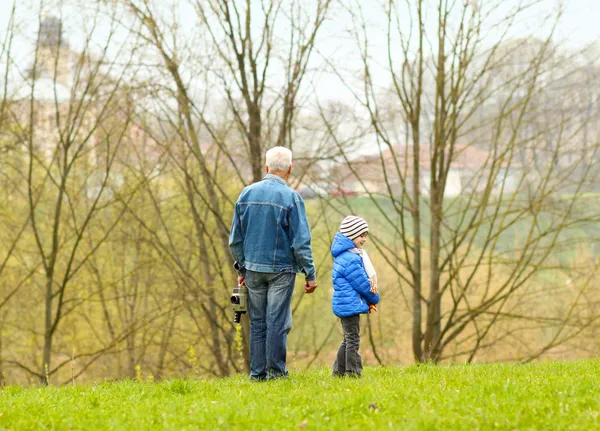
point(354, 290)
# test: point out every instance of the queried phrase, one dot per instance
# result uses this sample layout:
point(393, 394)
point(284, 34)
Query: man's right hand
point(310, 286)
point(241, 280)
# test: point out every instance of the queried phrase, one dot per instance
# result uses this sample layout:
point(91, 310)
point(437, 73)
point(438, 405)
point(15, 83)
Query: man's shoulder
point(267, 189)
point(275, 185)
point(254, 187)
point(297, 197)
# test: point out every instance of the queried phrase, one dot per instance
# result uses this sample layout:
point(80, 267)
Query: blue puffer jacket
point(351, 287)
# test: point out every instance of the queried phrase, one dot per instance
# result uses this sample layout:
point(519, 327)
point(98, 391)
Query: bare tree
point(66, 123)
point(457, 132)
point(239, 61)
point(249, 41)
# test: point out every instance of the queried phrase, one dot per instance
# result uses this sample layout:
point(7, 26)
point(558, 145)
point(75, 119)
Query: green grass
point(548, 396)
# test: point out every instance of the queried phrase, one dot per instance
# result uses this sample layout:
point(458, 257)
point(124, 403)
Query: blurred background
point(466, 133)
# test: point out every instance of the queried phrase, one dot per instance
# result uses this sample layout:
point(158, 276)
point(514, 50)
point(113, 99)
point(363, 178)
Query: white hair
point(279, 159)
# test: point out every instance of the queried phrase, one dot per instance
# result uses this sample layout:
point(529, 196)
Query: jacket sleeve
point(357, 277)
point(300, 239)
point(236, 239)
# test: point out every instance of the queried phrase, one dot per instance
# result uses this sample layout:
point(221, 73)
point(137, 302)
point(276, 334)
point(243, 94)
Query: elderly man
point(270, 243)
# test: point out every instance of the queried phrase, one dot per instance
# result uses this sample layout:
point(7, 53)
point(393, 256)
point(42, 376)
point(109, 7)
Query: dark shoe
point(277, 376)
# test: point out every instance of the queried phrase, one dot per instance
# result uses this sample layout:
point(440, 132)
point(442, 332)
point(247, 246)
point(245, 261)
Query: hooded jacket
point(351, 288)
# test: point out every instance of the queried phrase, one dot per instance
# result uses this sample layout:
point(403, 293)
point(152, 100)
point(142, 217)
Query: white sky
point(578, 27)
point(580, 24)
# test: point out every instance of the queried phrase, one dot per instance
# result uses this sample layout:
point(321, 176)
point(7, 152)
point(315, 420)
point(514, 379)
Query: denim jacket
point(270, 232)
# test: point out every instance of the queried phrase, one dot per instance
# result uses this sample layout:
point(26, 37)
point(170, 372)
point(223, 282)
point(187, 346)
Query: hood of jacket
point(340, 244)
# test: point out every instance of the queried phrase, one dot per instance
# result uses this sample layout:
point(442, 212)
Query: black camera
point(239, 301)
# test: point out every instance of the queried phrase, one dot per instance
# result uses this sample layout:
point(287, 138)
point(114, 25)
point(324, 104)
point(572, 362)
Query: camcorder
point(239, 302)
point(239, 298)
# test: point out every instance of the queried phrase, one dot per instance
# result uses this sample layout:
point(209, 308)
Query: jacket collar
point(340, 244)
point(275, 178)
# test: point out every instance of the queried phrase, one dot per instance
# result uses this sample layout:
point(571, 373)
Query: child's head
point(356, 229)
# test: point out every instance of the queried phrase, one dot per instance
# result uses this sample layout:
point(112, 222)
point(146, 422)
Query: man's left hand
point(310, 286)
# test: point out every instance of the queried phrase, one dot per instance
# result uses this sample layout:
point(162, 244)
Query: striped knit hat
point(353, 227)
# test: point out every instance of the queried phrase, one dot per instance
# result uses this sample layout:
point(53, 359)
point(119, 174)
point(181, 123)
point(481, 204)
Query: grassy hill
point(548, 396)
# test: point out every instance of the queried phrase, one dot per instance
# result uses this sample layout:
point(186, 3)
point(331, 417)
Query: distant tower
point(51, 32)
point(52, 45)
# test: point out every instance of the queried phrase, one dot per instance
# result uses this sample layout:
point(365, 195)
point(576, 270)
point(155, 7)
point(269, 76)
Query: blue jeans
point(269, 306)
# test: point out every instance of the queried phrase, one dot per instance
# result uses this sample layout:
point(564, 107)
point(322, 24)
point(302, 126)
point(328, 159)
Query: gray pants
point(348, 361)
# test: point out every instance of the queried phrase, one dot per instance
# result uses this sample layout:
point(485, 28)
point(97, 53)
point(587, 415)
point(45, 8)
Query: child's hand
point(373, 282)
point(372, 307)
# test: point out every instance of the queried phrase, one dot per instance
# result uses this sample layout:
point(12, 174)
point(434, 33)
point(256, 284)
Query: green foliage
point(549, 396)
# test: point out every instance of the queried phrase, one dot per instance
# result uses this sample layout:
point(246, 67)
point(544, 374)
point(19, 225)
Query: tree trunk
point(131, 354)
point(416, 274)
point(256, 156)
point(208, 282)
point(433, 328)
point(47, 353)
